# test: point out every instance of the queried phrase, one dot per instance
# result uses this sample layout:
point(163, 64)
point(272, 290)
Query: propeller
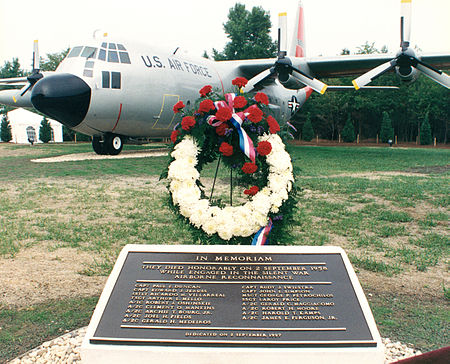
point(36, 75)
point(287, 74)
point(405, 61)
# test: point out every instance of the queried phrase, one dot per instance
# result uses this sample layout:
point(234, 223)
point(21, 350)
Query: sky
point(197, 25)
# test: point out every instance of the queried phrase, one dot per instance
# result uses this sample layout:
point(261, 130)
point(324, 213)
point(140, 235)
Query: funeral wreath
point(238, 130)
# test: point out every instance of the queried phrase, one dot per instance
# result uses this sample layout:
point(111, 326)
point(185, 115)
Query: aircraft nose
point(63, 97)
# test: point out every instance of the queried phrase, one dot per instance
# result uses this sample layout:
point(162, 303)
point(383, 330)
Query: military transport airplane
point(116, 91)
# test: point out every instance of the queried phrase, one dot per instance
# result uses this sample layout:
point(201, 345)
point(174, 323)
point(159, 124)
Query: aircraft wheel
point(113, 144)
point(98, 145)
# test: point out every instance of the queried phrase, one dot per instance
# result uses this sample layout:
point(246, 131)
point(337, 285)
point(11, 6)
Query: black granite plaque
point(281, 299)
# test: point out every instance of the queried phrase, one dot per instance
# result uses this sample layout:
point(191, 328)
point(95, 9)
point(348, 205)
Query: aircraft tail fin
point(298, 48)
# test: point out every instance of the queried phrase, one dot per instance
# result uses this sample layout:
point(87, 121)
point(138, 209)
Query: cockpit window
point(124, 57)
point(102, 55)
point(112, 52)
point(89, 52)
point(112, 57)
point(75, 52)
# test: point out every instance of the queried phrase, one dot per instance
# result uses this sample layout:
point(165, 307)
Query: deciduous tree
point(249, 34)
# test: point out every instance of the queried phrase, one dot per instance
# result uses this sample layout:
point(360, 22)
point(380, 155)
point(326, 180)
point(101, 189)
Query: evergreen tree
point(5, 129)
point(249, 32)
point(386, 131)
point(307, 130)
point(348, 133)
point(425, 131)
point(45, 131)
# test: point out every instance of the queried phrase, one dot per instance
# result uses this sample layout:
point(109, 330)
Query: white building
point(25, 125)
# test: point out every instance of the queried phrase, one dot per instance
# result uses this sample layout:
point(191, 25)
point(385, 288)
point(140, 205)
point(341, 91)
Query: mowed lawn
point(63, 224)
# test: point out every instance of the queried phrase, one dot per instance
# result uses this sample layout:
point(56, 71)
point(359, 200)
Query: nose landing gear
point(111, 144)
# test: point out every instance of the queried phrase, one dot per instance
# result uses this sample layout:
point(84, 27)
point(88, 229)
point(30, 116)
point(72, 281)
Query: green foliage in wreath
point(238, 129)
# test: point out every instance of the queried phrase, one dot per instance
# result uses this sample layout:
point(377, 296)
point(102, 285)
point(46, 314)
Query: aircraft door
point(166, 117)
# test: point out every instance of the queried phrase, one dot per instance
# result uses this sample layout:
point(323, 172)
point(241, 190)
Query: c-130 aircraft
point(116, 91)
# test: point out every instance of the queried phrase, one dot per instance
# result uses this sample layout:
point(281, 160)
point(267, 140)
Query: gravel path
point(66, 350)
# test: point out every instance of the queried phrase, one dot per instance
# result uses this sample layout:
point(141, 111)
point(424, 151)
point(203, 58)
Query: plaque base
point(220, 304)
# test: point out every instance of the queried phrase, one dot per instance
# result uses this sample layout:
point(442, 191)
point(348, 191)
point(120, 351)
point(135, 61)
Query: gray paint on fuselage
point(151, 85)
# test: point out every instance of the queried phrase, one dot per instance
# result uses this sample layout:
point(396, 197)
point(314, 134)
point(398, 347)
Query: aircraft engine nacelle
point(291, 82)
point(407, 74)
point(404, 68)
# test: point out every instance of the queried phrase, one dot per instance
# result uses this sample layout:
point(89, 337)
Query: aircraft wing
point(326, 67)
point(15, 81)
point(339, 66)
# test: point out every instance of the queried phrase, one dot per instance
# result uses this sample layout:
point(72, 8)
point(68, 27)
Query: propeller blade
point(373, 74)
point(36, 58)
point(26, 89)
point(261, 80)
point(405, 23)
point(35, 74)
point(307, 80)
point(439, 76)
point(282, 34)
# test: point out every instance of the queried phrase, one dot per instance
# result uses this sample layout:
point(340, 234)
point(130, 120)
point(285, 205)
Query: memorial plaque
point(233, 297)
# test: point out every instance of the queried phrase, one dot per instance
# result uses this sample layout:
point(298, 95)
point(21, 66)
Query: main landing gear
point(111, 144)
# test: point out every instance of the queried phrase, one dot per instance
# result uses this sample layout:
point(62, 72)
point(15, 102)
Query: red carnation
point(273, 125)
point(174, 136)
point(252, 191)
point(221, 129)
point(262, 98)
point(226, 149)
point(224, 113)
point(264, 148)
point(239, 82)
point(239, 102)
point(205, 90)
point(178, 106)
point(187, 122)
point(255, 114)
point(206, 106)
point(249, 168)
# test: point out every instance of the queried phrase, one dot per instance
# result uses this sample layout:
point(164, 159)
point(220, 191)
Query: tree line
point(422, 103)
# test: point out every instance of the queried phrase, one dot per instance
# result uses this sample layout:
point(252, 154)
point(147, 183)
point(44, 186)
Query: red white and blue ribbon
point(261, 237)
point(245, 142)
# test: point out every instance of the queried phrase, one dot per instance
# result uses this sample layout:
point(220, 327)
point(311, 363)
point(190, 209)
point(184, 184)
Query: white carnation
point(243, 220)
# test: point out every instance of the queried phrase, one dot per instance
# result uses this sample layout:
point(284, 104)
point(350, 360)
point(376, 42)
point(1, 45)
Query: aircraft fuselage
point(133, 93)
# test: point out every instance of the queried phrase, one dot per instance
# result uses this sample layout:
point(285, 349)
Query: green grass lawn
point(387, 207)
